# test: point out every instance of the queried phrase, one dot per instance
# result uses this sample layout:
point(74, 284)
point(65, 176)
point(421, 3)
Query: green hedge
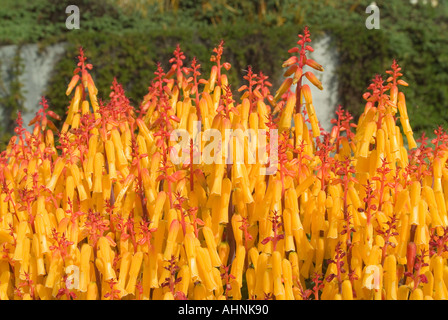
point(132, 57)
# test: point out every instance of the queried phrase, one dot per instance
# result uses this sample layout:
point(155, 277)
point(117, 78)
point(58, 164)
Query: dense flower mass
point(100, 210)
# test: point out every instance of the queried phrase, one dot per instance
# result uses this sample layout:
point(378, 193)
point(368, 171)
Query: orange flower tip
point(292, 69)
point(402, 82)
point(179, 175)
point(258, 94)
point(297, 75)
point(313, 79)
point(53, 115)
point(283, 88)
point(306, 91)
point(171, 72)
point(313, 64)
point(293, 50)
point(174, 226)
point(72, 84)
point(290, 62)
point(272, 101)
point(309, 48)
point(390, 103)
point(245, 95)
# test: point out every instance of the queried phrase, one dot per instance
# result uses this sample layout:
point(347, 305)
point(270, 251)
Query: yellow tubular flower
point(223, 251)
point(93, 141)
point(86, 255)
point(150, 269)
point(415, 199)
point(417, 294)
point(58, 166)
point(225, 198)
point(145, 131)
point(92, 291)
point(158, 207)
point(289, 238)
point(23, 230)
point(288, 279)
point(85, 108)
point(78, 182)
point(403, 292)
point(171, 240)
point(199, 292)
point(267, 284)
point(238, 265)
point(286, 116)
point(218, 178)
point(430, 198)
point(107, 257)
point(279, 290)
point(283, 88)
point(184, 274)
point(54, 272)
point(73, 108)
point(347, 291)
point(124, 270)
point(205, 268)
point(98, 173)
point(320, 250)
point(445, 274)
point(116, 139)
point(38, 255)
point(216, 97)
point(428, 288)
point(237, 232)
point(5, 275)
point(190, 250)
point(439, 285)
point(251, 280)
point(390, 278)
point(72, 84)
point(261, 267)
point(211, 246)
point(168, 296)
point(441, 205)
point(134, 272)
point(437, 173)
point(368, 134)
point(405, 121)
point(110, 154)
point(390, 125)
point(218, 293)
point(422, 233)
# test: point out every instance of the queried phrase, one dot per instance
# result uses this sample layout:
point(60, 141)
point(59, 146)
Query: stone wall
point(37, 68)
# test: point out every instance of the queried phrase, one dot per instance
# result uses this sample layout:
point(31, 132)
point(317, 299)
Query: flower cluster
point(99, 210)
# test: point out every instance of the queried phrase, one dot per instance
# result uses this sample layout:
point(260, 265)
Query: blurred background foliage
point(125, 39)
